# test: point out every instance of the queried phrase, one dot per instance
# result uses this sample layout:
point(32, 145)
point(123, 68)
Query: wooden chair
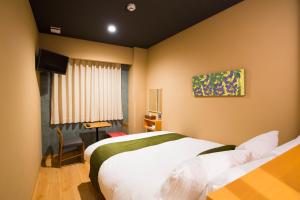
point(68, 146)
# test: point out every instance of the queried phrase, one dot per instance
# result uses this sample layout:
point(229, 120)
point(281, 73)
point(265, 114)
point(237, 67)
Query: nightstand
point(152, 124)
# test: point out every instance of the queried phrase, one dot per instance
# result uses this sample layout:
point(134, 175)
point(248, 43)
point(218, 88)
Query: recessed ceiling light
point(56, 30)
point(131, 7)
point(111, 28)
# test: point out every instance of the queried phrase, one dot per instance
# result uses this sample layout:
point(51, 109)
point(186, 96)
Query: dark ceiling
point(152, 22)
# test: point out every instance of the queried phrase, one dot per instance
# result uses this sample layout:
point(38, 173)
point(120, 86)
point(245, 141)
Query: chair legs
point(82, 153)
point(59, 159)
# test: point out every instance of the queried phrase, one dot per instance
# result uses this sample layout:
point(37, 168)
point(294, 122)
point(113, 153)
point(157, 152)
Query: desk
point(97, 125)
point(278, 179)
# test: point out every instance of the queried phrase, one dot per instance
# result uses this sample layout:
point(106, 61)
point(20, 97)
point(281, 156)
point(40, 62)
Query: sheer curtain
point(90, 91)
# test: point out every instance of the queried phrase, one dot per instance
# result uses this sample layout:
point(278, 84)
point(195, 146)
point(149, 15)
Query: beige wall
point(261, 36)
point(84, 49)
point(137, 91)
point(20, 144)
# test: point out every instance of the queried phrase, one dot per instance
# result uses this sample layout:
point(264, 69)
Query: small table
point(97, 125)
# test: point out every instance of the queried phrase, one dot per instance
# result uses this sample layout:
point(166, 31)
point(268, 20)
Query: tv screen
point(51, 62)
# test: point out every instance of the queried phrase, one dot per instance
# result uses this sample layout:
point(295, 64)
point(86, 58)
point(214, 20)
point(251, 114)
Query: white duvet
point(140, 174)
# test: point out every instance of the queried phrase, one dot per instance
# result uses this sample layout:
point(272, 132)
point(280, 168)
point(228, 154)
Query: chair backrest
point(60, 138)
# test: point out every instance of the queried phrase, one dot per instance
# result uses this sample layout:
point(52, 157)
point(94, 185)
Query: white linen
point(236, 172)
point(261, 145)
point(187, 181)
point(140, 174)
point(90, 91)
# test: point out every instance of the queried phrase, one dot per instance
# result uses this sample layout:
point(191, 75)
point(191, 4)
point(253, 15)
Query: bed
point(144, 173)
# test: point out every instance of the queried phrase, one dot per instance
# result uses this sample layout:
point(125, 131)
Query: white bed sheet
point(140, 174)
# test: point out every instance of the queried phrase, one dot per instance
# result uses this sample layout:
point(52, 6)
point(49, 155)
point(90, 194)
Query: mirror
point(155, 100)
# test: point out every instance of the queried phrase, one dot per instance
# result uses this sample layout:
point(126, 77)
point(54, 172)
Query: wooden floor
point(68, 182)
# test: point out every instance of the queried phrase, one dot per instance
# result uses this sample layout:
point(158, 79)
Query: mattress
point(140, 174)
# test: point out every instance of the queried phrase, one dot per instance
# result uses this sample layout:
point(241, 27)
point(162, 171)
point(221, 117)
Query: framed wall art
point(228, 83)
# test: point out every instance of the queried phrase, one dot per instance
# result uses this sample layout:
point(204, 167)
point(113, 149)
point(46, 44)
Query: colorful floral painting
point(228, 83)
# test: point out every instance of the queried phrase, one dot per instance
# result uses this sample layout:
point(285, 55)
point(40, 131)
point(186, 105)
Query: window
point(90, 91)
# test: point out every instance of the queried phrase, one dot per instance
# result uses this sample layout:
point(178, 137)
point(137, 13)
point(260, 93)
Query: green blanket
point(106, 151)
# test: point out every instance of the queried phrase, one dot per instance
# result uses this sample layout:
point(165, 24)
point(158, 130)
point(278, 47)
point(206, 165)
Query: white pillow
point(261, 145)
point(187, 181)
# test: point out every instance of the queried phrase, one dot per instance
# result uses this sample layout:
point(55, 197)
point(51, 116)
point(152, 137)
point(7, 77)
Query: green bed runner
point(106, 151)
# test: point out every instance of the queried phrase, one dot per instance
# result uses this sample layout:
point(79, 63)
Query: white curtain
point(90, 91)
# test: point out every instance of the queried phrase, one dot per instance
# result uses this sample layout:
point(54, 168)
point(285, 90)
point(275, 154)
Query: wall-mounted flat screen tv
point(51, 62)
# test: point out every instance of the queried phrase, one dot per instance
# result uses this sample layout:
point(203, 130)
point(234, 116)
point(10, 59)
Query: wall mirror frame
point(155, 101)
